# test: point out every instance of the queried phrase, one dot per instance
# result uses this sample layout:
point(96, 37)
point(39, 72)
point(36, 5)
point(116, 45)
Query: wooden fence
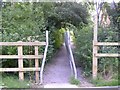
point(20, 58)
point(96, 45)
point(96, 55)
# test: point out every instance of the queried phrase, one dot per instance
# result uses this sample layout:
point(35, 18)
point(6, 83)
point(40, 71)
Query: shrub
point(83, 50)
point(74, 81)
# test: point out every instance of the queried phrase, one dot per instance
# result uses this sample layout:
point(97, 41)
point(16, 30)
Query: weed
point(74, 81)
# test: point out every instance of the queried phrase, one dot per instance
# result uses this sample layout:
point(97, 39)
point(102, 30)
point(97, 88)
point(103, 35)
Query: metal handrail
point(44, 59)
point(69, 49)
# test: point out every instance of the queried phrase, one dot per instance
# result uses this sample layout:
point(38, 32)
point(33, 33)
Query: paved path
point(60, 85)
point(58, 70)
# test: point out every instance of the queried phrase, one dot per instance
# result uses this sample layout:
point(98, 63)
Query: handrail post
point(44, 59)
point(68, 45)
point(20, 62)
point(72, 58)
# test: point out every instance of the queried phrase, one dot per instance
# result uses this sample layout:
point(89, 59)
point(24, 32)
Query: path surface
point(57, 72)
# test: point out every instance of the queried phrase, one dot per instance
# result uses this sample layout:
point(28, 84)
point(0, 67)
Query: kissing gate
point(20, 58)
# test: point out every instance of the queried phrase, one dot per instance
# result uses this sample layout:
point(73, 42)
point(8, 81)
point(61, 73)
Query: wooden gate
point(20, 57)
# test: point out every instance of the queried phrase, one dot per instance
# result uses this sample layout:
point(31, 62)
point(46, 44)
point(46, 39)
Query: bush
point(25, 22)
point(83, 50)
point(107, 67)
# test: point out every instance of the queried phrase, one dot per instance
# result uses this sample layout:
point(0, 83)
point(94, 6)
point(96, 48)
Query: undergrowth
point(13, 82)
point(74, 81)
point(103, 82)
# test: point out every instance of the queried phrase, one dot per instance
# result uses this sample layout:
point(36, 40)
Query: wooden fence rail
point(20, 43)
point(20, 58)
point(107, 44)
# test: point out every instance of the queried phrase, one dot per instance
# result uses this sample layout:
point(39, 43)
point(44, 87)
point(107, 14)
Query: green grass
point(102, 82)
point(13, 82)
point(74, 81)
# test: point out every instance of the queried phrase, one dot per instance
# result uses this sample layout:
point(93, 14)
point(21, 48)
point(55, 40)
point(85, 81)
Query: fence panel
point(20, 58)
point(96, 55)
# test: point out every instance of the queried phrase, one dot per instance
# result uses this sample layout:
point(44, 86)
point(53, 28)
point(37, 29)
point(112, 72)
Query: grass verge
point(103, 82)
point(13, 82)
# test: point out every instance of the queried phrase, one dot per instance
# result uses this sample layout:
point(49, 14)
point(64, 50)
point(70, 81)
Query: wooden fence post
point(36, 64)
point(20, 62)
point(95, 60)
point(95, 50)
